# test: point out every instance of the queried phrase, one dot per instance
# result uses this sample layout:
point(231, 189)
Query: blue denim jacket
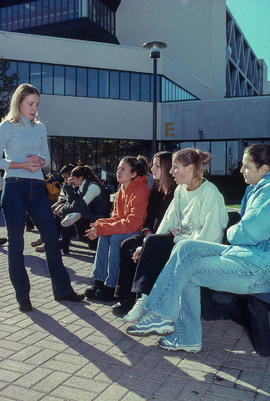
point(250, 238)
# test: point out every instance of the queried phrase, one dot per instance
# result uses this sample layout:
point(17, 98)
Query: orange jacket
point(129, 210)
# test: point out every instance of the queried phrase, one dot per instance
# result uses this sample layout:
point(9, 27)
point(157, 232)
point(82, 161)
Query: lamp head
point(154, 48)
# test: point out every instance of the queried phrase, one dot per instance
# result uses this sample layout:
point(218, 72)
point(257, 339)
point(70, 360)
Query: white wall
point(102, 118)
point(194, 30)
point(225, 119)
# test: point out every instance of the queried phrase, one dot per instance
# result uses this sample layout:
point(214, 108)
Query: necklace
point(196, 185)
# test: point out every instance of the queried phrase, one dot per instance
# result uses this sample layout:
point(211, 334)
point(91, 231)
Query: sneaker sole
point(151, 332)
point(186, 349)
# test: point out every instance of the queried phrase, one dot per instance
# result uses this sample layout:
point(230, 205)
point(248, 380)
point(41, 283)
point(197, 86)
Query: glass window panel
point(64, 10)
point(114, 84)
point(51, 12)
point(57, 154)
point(57, 10)
point(9, 18)
point(70, 81)
point(90, 150)
point(101, 155)
point(187, 145)
point(47, 79)
point(103, 83)
point(3, 18)
point(92, 83)
point(12, 68)
point(124, 85)
point(26, 15)
point(38, 13)
point(81, 81)
point(35, 75)
point(23, 72)
point(77, 8)
point(112, 159)
point(59, 81)
point(145, 87)
point(69, 151)
point(233, 159)
point(135, 86)
point(163, 89)
point(32, 13)
point(71, 9)
point(218, 151)
point(45, 11)
point(15, 17)
point(80, 155)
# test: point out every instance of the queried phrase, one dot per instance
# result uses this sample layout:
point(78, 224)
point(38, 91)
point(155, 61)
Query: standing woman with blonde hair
point(23, 140)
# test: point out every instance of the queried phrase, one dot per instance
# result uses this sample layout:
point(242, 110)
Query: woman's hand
point(91, 233)
point(137, 254)
point(33, 163)
point(175, 232)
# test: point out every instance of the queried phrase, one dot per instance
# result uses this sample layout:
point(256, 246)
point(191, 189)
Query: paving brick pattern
point(81, 352)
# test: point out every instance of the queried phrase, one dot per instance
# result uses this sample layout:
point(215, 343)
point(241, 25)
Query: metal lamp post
point(154, 54)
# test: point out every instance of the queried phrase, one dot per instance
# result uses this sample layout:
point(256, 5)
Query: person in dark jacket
point(159, 200)
point(86, 202)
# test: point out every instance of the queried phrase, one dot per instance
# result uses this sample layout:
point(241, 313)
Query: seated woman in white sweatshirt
point(197, 212)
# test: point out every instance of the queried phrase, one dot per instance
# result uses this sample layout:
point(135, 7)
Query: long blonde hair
point(18, 97)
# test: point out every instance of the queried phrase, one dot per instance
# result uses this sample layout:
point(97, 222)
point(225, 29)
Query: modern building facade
point(96, 94)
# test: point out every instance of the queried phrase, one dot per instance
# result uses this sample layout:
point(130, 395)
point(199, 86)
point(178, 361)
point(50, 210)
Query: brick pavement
point(80, 352)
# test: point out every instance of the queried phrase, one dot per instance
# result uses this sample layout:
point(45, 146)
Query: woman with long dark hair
point(160, 197)
point(128, 216)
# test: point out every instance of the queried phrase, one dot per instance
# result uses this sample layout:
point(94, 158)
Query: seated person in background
point(127, 219)
point(173, 306)
point(160, 198)
point(52, 186)
point(85, 201)
point(196, 212)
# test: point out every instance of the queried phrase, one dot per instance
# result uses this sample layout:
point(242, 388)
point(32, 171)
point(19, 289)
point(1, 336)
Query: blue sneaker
point(151, 324)
point(171, 343)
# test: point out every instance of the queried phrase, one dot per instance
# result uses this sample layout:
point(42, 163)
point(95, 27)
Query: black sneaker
point(105, 294)
point(3, 241)
point(122, 307)
point(25, 306)
point(90, 292)
point(73, 297)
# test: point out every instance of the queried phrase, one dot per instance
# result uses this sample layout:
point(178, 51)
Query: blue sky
point(253, 17)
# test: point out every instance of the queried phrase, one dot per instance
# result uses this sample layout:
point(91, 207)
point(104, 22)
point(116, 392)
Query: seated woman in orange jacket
point(127, 219)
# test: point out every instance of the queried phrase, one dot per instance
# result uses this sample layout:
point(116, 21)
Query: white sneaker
point(70, 219)
point(137, 311)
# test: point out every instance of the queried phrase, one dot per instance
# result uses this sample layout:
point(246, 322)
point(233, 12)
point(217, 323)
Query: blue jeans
point(107, 258)
point(21, 195)
point(194, 264)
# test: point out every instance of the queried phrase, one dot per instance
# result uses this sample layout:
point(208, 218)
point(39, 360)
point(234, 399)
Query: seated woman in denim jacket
point(127, 219)
point(173, 307)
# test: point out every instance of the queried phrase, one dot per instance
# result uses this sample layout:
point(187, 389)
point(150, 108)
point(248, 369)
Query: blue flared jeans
point(21, 195)
point(107, 260)
point(194, 264)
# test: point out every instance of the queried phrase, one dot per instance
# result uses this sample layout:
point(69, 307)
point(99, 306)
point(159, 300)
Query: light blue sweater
point(250, 238)
point(17, 140)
